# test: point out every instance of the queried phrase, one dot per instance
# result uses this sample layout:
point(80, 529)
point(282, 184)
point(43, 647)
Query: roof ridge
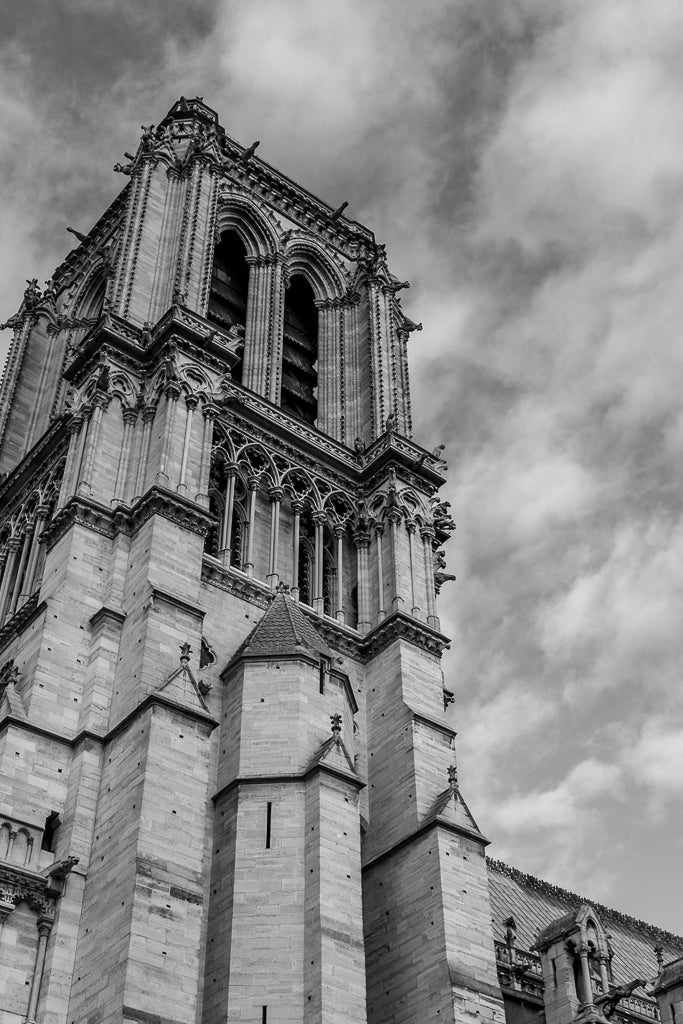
point(550, 889)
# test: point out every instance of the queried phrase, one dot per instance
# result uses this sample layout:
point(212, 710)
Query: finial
point(185, 652)
point(336, 720)
point(453, 777)
point(659, 953)
point(282, 588)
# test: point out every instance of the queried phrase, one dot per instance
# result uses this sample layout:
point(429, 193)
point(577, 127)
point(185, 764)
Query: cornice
point(19, 885)
point(343, 639)
point(272, 780)
point(136, 348)
point(418, 833)
point(400, 626)
point(110, 522)
point(235, 582)
point(171, 506)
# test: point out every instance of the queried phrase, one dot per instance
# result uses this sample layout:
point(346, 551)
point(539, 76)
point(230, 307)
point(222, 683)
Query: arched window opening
point(300, 352)
point(229, 287)
point(94, 302)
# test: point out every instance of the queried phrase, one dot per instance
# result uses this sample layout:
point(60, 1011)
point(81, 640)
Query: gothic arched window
point(229, 287)
point(300, 352)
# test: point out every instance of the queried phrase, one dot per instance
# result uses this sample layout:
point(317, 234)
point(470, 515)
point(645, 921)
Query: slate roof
point(284, 629)
point(535, 904)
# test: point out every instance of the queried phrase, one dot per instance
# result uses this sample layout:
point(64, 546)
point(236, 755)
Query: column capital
point(75, 423)
point(210, 410)
point(191, 401)
point(148, 413)
point(276, 493)
point(130, 415)
point(319, 517)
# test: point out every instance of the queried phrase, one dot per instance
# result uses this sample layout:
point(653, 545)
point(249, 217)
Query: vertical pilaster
point(130, 417)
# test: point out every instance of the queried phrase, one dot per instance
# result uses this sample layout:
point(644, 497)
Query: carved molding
point(18, 885)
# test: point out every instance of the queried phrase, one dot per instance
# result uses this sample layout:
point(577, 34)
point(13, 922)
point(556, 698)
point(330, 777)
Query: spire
point(284, 629)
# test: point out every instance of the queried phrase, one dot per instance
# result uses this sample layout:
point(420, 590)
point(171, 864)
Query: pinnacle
point(284, 629)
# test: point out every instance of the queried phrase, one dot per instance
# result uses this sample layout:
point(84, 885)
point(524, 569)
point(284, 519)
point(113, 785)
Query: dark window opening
point(329, 582)
point(264, 1015)
point(49, 840)
point(229, 287)
point(92, 307)
point(300, 352)
point(269, 816)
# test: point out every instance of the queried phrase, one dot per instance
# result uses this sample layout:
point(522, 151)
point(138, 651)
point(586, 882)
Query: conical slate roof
point(284, 629)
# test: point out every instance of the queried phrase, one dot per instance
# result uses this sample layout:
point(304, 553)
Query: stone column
point(172, 392)
point(44, 929)
point(330, 379)
point(249, 564)
point(275, 495)
point(80, 450)
point(148, 414)
point(100, 402)
point(339, 534)
point(604, 977)
point(257, 329)
point(29, 578)
point(414, 607)
point(362, 539)
point(191, 403)
point(319, 520)
point(12, 549)
point(586, 974)
point(72, 460)
point(427, 542)
point(297, 507)
point(26, 544)
point(130, 417)
point(394, 520)
point(276, 328)
point(379, 531)
point(224, 552)
point(209, 413)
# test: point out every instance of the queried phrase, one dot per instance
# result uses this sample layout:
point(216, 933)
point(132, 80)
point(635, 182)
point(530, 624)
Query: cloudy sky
point(523, 160)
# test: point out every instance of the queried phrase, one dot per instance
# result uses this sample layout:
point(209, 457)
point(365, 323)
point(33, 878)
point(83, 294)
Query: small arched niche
point(299, 395)
point(229, 286)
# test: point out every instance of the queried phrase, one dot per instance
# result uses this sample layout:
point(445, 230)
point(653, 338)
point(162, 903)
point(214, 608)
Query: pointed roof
point(284, 629)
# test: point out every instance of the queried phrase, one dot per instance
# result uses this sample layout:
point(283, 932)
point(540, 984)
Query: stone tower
point(228, 787)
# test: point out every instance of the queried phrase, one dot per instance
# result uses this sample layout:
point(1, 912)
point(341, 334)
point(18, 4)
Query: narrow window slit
point(269, 813)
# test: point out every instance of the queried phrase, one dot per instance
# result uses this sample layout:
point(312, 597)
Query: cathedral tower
point(229, 790)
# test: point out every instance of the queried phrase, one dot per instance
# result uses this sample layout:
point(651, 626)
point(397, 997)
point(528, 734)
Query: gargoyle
point(609, 1001)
